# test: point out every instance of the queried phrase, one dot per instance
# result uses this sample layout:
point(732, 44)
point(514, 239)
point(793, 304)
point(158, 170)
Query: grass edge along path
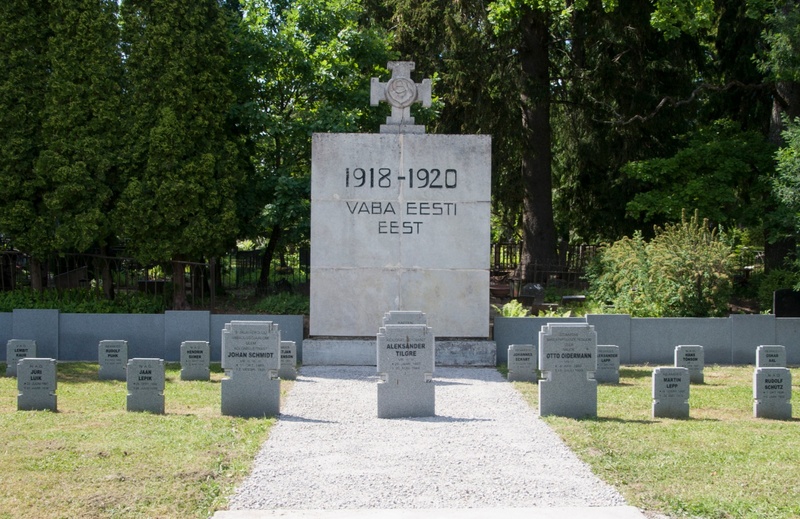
point(94, 459)
point(719, 463)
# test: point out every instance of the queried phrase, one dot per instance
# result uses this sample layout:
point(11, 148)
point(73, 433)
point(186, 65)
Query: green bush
point(283, 304)
point(684, 271)
point(80, 301)
point(772, 281)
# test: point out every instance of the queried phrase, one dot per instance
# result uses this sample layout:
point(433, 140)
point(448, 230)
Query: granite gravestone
point(113, 359)
point(607, 364)
point(692, 358)
point(568, 360)
point(16, 350)
point(251, 359)
point(770, 356)
point(671, 393)
point(145, 385)
point(195, 359)
point(288, 369)
point(36, 384)
point(405, 366)
point(400, 220)
point(772, 393)
point(522, 363)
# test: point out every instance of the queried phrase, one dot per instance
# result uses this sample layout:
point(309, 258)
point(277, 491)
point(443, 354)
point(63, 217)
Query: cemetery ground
point(94, 459)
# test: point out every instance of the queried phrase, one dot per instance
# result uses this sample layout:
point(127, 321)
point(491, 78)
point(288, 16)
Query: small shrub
point(511, 309)
point(283, 304)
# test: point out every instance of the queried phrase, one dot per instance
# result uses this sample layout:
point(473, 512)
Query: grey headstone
point(523, 361)
point(36, 383)
point(692, 358)
point(195, 359)
point(405, 359)
point(146, 385)
point(404, 317)
point(288, 370)
point(772, 391)
point(770, 356)
point(568, 360)
point(113, 359)
point(16, 350)
point(607, 364)
point(251, 358)
point(671, 393)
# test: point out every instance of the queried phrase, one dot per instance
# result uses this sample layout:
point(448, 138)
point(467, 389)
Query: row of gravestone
point(573, 364)
point(254, 359)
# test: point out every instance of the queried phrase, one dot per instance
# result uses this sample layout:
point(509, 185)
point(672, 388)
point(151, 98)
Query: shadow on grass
point(635, 373)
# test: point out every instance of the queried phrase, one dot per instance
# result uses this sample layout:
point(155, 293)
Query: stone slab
point(251, 355)
point(288, 369)
point(567, 360)
point(36, 384)
point(405, 362)
point(613, 329)
point(112, 357)
point(41, 326)
point(195, 360)
point(522, 330)
point(291, 327)
point(400, 222)
point(653, 340)
point(772, 393)
point(607, 364)
point(181, 326)
point(770, 356)
point(747, 333)
point(80, 334)
point(361, 352)
point(523, 363)
point(787, 332)
point(16, 350)
point(145, 382)
point(405, 317)
point(691, 357)
point(670, 393)
point(251, 395)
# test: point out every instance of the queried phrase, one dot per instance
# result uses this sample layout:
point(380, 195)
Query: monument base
point(363, 352)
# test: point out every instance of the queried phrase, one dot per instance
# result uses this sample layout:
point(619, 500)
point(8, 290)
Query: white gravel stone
point(484, 448)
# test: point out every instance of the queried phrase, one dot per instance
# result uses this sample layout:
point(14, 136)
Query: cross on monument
point(400, 92)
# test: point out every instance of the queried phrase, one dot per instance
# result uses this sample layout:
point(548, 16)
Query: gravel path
point(484, 448)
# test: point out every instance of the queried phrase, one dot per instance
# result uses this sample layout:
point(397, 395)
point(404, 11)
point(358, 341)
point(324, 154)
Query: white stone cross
point(400, 92)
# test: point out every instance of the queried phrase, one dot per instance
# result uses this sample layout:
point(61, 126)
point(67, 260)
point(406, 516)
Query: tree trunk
point(37, 277)
point(179, 301)
point(539, 234)
point(266, 261)
point(108, 279)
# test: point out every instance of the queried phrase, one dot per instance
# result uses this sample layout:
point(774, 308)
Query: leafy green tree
point(24, 33)
point(179, 203)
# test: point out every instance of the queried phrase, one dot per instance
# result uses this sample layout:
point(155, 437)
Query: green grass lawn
point(719, 463)
point(94, 459)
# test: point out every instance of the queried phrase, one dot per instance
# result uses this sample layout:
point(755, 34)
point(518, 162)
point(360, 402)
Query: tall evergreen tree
point(179, 202)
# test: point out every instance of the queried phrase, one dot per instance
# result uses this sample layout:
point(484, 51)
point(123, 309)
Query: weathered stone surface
point(16, 350)
point(770, 356)
point(251, 359)
point(406, 359)
point(607, 364)
point(772, 393)
point(568, 360)
point(145, 379)
point(691, 357)
point(195, 360)
point(36, 383)
point(113, 359)
point(523, 363)
point(405, 317)
point(671, 393)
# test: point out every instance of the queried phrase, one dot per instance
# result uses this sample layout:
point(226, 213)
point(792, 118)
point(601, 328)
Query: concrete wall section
point(653, 340)
point(184, 326)
point(787, 334)
point(748, 332)
point(6, 325)
point(41, 326)
point(81, 334)
point(522, 330)
point(613, 330)
point(291, 327)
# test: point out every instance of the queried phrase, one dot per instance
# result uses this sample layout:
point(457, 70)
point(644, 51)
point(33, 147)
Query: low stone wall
point(75, 337)
point(729, 340)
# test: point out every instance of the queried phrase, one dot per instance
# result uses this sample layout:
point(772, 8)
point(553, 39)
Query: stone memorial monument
point(36, 383)
point(405, 366)
point(251, 359)
point(113, 359)
point(405, 317)
point(16, 350)
point(145, 385)
point(522, 363)
point(288, 369)
point(607, 364)
point(568, 360)
point(671, 393)
point(195, 360)
point(692, 358)
point(770, 356)
point(772, 393)
point(399, 222)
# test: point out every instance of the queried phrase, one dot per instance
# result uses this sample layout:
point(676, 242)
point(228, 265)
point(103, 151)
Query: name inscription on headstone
point(568, 360)
point(251, 359)
point(671, 392)
point(405, 356)
point(16, 350)
point(36, 383)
